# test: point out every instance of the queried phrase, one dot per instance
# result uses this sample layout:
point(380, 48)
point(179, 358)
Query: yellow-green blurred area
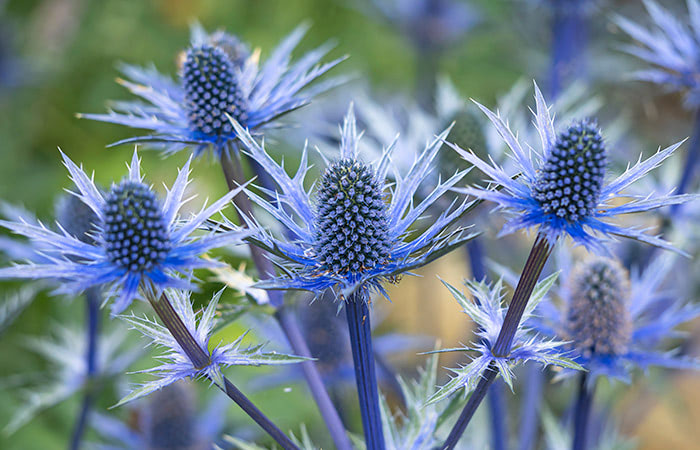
point(69, 51)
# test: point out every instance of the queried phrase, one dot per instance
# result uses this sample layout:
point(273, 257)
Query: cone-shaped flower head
point(561, 189)
point(352, 233)
point(219, 78)
point(171, 418)
point(598, 320)
point(614, 321)
point(137, 238)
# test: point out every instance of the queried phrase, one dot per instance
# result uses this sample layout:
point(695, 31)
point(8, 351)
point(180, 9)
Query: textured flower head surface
point(615, 322)
point(561, 189)
point(219, 78)
point(428, 24)
point(177, 365)
point(671, 46)
point(349, 234)
point(488, 312)
point(169, 418)
point(65, 351)
point(138, 239)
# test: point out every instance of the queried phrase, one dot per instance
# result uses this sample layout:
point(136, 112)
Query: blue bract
point(357, 231)
point(137, 238)
point(560, 189)
point(218, 78)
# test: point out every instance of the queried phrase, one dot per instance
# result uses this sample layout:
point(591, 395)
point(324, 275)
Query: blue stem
point(360, 330)
point(691, 161)
point(582, 413)
point(530, 410)
point(497, 411)
point(539, 254)
point(569, 41)
point(92, 302)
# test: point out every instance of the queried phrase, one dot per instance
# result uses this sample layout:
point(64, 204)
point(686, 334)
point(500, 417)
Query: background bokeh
point(63, 54)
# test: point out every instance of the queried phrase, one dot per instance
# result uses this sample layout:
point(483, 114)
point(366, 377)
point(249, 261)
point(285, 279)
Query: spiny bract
point(76, 217)
point(352, 220)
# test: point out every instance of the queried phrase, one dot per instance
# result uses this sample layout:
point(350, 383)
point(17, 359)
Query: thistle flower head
point(615, 321)
point(569, 183)
point(220, 79)
point(212, 91)
point(76, 217)
point(598, 318)
point(669, 45)
point(561, 190)
point(354, 235)
point(171, 418)
point(351, 219)
point(139, 241)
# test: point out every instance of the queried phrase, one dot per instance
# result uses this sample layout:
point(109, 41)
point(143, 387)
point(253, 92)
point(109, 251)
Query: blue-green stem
point(233, 171)
point(357, 313)
point(200, 358)
point(497, 411)
point(92, 303)
point(582, 412)
point(539, 254)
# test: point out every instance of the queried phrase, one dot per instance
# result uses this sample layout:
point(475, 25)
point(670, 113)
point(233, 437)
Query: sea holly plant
point(561, 191)
point(487, 311)
point(140, 244)
point(613, 322)
point(219, 77)
point(349, 236)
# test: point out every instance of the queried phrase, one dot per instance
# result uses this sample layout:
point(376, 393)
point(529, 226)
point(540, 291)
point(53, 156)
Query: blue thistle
point(615, 321)
point(561, 189)
point(219, 78)
point(138, 240)
point(353, 239)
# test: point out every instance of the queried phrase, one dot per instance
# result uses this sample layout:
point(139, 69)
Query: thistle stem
point(582, 414)
point(92, 303)
point(691, 161)
point(497, 412)
point(530, 409)
point(357, 314)
point(200, 359)
point(235, 177)
point(539, 253)
point(569, 39)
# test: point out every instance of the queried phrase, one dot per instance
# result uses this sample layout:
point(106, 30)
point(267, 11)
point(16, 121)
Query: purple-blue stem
point(357, 313)
point(691, 162)
point(539, 254)
point(233, 172)
point(199, 358)
point(582, 413)
point(92, 303)
point(530, 409)
point(497, 412)
point(569, 37)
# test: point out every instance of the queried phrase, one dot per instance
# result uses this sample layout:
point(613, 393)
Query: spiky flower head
point(353, 236)
point(569, 183)
point(171, 419)
point(76, 217)
point(671, 46)
point(615, 321)
point(211, 91)
point(598, 319)
point(219, 79)
point(561, 190)
point(351, 219)
point(139, 241)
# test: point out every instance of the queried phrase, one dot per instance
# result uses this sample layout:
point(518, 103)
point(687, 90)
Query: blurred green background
point(70, 49)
